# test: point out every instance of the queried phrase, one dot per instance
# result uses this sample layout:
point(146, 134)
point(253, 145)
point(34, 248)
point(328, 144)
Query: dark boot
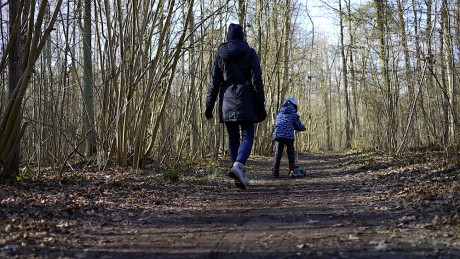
point(275, 173)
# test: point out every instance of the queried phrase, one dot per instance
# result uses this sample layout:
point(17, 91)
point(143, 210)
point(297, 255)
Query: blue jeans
point(240, 149)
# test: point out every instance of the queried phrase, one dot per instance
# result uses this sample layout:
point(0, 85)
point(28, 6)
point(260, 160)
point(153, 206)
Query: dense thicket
point(123, 82)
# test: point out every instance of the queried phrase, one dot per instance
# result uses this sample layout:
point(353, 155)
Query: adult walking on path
point(236, 77)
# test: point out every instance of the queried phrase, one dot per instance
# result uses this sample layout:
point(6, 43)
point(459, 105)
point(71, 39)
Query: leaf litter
point(348, 205)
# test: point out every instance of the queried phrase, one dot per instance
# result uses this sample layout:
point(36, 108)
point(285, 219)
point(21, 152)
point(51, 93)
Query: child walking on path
point(287, 121)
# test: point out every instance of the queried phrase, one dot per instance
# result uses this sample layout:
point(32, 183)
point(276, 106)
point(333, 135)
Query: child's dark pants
point(279, 148)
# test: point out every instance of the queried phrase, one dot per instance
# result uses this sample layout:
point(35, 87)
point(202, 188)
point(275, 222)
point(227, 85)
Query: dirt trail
point(342, 209)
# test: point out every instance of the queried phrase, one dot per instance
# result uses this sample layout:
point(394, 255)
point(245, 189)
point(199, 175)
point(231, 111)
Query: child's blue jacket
point(287, 120)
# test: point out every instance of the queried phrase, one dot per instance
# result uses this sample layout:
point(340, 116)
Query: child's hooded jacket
point(286, 122)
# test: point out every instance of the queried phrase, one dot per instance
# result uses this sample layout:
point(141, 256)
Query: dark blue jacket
point(287, 120)
point(237, 80)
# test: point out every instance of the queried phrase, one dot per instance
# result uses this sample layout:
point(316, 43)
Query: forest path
point(341, 209)
point(348, 206)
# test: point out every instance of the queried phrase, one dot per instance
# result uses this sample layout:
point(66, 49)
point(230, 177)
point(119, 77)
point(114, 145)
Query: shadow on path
point(343, 208)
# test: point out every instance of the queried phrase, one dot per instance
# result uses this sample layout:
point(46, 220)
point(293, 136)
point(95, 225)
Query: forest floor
point(348, 206)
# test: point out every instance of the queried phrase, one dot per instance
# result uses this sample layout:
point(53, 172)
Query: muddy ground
point(348, 206)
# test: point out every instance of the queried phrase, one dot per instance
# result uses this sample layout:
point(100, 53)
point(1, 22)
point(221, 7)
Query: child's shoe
point(291, 173)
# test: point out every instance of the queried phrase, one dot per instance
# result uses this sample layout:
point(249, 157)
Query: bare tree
point(355, 123)
point(242, 13)
point(88, 106)
point(150, 71)
point(15, 69)
point(35, 41)
point(385, 82)
point(449, 84)
point(193, 94)
point(345, 80)
point(408, 75)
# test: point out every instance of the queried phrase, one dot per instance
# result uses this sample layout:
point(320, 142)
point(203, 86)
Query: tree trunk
point(385, 80)
point(15, 70)
point(286, 53)
point(409, 81)
point(345, 81)
point(194, 141)
point(447, 80)
point(242, 13)
point(430, 82)
point(354, 93)
point(88, 106)
point(416, 74)
point(258, 18)
point(34, 44)
point(451, 91)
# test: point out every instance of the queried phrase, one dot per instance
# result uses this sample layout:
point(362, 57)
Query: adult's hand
point(208, 114)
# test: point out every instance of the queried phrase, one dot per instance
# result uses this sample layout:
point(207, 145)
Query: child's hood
point(287, 108)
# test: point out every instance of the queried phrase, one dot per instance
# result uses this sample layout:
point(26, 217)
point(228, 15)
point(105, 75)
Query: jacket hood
point(235, 32)
point(232, 49)
point(287, 108)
